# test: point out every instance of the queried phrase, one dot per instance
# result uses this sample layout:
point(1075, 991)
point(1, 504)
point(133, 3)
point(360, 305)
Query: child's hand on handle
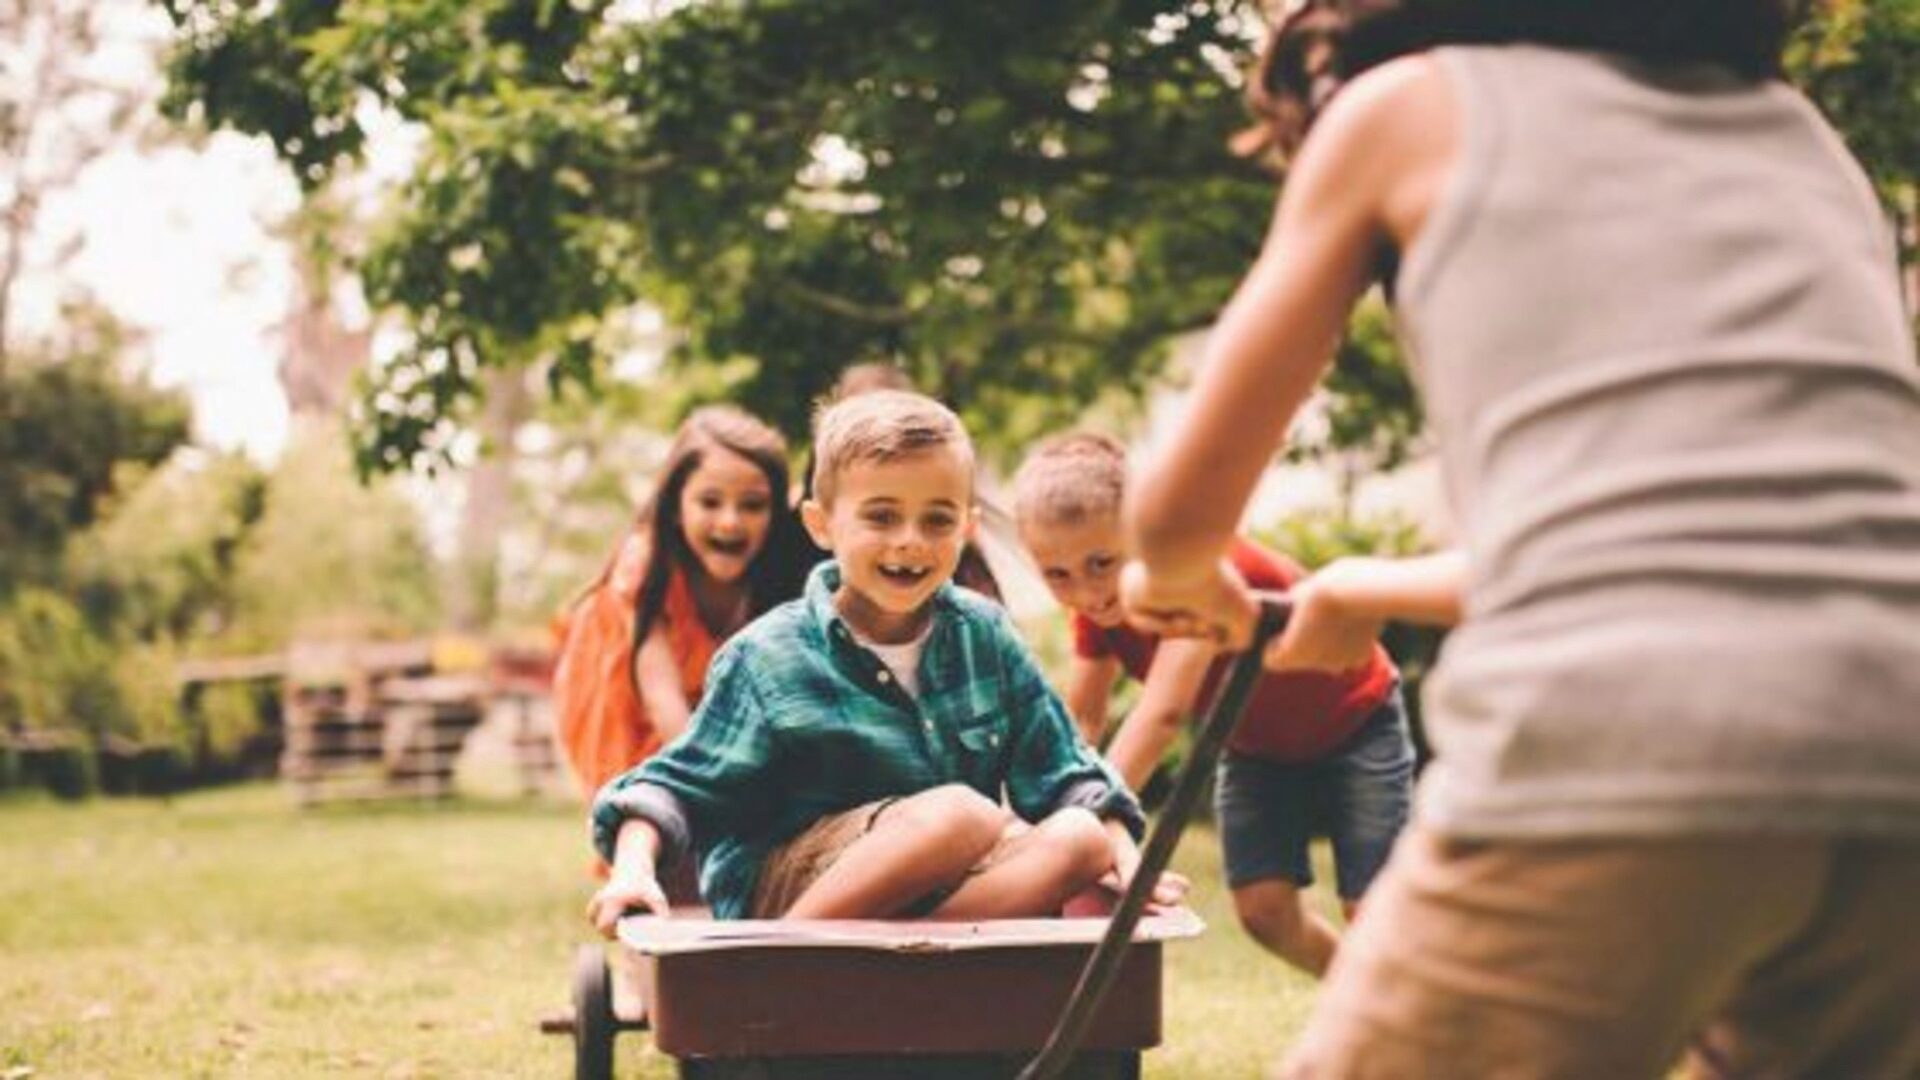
point(1215, 605)
point(1326, 632)
point(1339, 612)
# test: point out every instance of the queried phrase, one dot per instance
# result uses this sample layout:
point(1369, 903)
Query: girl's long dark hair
point(1319, 45)
point(777, 570)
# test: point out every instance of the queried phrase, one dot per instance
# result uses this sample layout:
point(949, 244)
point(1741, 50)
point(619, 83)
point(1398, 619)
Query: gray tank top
point(1656, 322)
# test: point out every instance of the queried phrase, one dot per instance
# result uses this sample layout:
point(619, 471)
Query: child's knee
point(1076, 836)
point(955, 817)
point(1270, 910)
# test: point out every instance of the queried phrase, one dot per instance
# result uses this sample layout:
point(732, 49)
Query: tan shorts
point(798, 863)
point(1783, 956)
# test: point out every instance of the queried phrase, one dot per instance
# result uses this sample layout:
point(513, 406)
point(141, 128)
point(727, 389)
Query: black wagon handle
point(1104, 964)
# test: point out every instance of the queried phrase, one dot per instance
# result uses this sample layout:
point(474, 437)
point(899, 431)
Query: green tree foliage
point(1370, 417)
point(329, 557)
point(149, 697)
point(71, 423)
point(1858, 59)
point(160, 566)
point(1314, 538)
point(227, 715)
point(55, 670)
point(207, 554)
point(1018, 202)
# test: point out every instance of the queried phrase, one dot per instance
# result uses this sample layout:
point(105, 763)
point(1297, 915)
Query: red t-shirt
point(1296, 716)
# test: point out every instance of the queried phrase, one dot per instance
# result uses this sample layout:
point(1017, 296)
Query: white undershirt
point(903, 660)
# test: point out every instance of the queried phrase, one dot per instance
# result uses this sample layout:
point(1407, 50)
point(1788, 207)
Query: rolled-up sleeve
point(705, 780)
point(1051, 767)
point(627, 797)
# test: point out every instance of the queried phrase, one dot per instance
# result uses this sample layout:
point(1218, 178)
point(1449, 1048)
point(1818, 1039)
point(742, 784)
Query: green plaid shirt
point(800, 721)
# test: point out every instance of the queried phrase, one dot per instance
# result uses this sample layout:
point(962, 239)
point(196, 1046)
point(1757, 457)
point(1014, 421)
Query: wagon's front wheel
point(593, 1023)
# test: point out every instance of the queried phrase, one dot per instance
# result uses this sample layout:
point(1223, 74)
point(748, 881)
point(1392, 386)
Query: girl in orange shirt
point(714, 546)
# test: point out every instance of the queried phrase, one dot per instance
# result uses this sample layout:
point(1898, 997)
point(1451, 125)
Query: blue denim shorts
point(1357, 797)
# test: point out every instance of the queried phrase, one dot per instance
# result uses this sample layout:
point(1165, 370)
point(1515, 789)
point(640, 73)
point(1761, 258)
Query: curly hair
point(1071, 478)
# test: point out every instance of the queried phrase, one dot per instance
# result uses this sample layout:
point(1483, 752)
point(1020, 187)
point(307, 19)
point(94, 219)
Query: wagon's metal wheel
point(593, 1023)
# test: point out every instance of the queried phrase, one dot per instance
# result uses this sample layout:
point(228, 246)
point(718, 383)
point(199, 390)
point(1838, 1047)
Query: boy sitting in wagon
point(850, 753)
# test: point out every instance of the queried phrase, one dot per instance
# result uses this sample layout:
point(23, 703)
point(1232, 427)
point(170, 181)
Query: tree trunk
point(489, 499)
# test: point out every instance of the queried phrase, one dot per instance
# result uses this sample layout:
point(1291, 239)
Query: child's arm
point(634, 881)
point(1047, 765)
point(1050, 769)
point(1169, 890)
point(1179, 668)
point(1339, 612)
point(656, 672)
point(1423, 589)
point(1360, 183)
point(1089, 690)
point(646, 817)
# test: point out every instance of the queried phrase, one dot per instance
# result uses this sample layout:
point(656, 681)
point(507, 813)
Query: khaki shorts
point(797, 864)
point(1762, 957)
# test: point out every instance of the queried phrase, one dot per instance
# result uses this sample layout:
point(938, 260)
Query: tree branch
point(835, 304)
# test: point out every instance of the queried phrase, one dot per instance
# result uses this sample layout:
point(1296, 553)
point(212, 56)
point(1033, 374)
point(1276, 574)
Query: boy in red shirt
point(1314, 754)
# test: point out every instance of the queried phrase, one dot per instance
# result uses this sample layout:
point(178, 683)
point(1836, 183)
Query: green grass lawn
point(228, 934)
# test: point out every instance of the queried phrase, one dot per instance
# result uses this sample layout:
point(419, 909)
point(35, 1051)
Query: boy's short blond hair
point(881, 425)
point(1072, 478)
point(865, 378)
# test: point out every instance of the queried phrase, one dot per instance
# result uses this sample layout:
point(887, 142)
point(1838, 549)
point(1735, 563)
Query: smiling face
point(896, 528)
point(726, 509)
point(1080, 562)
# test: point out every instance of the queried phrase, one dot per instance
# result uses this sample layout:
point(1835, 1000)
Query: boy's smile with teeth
point(896, 528)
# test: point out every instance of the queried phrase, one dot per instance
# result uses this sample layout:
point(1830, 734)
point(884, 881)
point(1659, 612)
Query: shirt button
point(884, 677)
point(929, 726)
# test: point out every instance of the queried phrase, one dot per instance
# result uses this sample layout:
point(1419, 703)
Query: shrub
point(1315, 538)
point(159, 770)
point(55, 672)
point(66, 768)
point(228, 717)
point(149, 699)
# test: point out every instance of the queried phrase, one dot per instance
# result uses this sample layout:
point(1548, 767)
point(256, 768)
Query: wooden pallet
point(365, 734)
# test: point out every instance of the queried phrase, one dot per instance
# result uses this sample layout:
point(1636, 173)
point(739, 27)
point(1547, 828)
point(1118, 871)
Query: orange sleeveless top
point(601, 722)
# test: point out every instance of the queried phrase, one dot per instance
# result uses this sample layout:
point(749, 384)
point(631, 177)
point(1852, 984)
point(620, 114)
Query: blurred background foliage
point(1021, 204)
point(1028, 207)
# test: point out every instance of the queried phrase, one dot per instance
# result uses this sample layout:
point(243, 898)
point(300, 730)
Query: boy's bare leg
point(1035, 873)
point(623, 968)
point(1277, 916)
point(917, 845)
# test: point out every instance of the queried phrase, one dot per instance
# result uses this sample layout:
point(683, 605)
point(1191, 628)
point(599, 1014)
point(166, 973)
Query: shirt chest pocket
point(982, 744)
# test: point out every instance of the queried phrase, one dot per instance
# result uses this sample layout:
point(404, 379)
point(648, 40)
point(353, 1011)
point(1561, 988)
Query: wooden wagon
point(794, 999)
